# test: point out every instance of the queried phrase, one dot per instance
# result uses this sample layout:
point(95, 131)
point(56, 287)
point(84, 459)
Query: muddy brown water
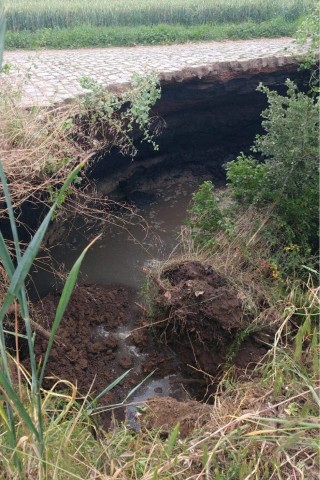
point(119, 256)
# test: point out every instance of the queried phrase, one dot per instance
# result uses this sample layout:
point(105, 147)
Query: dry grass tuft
point(39, 147)
point(35, 146)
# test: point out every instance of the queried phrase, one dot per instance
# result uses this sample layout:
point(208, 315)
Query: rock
point(133, 418)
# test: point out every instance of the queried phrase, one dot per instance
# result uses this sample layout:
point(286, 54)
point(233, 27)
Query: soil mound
point(203, 318)
point(199, 293)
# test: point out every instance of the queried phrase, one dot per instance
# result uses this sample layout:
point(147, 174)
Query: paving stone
point(51, 76)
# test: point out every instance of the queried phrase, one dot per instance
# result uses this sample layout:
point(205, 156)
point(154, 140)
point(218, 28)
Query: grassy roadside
point(84, 36)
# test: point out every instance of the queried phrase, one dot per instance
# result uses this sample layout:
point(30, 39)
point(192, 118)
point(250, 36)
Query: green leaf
point(14, 334)
point(4, 252)
point(4, 416)
point(138, 386)
point(5, 257)
point(173, 438)
point(2, 32)
point(10, 212)
point(309, 385)
point(312, 270)
point(7, 262)
point(108, 388)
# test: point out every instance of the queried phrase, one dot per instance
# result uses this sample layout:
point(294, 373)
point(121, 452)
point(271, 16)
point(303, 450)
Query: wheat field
point(38, 14)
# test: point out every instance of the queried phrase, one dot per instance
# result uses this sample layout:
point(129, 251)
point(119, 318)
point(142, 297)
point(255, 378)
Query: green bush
point(246, 176)
point(206, 216)
point(286, 181)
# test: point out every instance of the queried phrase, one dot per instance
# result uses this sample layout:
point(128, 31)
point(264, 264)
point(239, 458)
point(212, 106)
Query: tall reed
point(17, 270)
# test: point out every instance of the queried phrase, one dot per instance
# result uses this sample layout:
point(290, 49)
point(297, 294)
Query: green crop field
point(35, 14)
point(46, 21)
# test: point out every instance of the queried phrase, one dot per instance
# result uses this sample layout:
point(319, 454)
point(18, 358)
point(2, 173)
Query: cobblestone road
point(52, 76)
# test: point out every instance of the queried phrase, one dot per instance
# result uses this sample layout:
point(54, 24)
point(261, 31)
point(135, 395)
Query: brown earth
point(103, 333)
point(93, 342)
point(203, 320)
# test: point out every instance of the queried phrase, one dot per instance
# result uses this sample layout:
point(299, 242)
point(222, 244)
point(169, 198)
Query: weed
point(205, 215)
point(50, 143)
point(83, 36)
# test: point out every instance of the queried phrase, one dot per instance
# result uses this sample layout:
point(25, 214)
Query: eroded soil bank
point(204, 125)
point(198, 316)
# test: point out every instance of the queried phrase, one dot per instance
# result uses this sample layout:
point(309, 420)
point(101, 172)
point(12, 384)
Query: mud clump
point(92, 346)
point(201, 293)
point(203, 318)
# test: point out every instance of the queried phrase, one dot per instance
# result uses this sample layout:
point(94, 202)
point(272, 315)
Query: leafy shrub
point(206, 216)
point(286, 182)
point(246, 176)
point(309, 33)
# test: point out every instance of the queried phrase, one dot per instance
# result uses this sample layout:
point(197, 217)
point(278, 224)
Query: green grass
point(74, 23)
point(89, 36)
